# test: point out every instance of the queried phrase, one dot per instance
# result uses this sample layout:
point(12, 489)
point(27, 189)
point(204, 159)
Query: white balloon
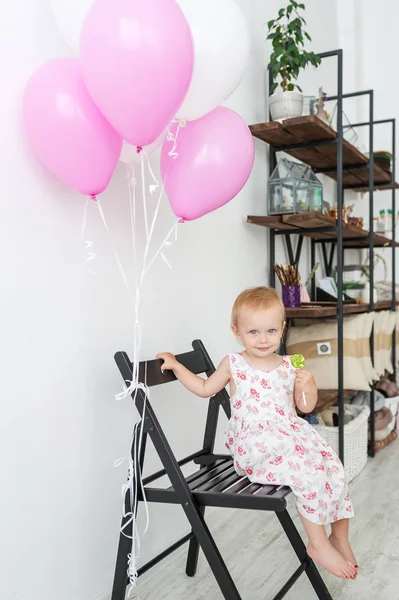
point(69, 16)
point(221, 45)
point(129, 154)
point(221, 54)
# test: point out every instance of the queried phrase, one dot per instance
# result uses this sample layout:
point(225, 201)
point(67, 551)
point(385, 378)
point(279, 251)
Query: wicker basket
point(355, 440)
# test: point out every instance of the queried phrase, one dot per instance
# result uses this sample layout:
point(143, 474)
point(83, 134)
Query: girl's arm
point(305, 382)
point(204, 388)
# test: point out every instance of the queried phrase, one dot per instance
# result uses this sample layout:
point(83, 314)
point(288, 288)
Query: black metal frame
point(338, 242)
point(214, 484)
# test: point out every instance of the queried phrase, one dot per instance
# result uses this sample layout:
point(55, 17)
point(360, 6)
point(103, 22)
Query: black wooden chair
point(215, 483)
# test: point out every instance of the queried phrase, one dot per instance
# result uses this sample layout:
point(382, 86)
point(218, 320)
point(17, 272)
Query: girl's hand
point(305, 381)
point(169, 359)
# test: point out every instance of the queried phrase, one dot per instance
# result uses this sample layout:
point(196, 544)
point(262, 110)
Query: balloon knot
point(181, 220)
point(139, 149)
point(182, 123)
point(93, 197)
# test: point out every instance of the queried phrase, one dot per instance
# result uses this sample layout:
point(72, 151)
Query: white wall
point(60, 429)
point(376, 38)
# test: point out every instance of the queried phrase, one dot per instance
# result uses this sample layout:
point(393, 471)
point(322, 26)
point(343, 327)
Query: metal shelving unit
point(346, 165)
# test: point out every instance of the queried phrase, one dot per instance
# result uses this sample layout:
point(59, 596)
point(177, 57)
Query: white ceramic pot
point(285, 105)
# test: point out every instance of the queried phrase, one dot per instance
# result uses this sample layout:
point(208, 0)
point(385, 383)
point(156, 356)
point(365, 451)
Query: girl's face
point(260, 331)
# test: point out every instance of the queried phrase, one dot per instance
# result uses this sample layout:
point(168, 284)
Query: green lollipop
point(298, 361)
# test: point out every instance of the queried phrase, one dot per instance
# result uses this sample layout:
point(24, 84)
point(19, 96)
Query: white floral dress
point(272, 445)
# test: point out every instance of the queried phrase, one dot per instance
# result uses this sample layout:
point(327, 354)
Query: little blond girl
point(270, 444)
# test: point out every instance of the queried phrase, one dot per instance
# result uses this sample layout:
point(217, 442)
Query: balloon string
point(172, 156)
point(173, 138)
point(165, 243)
point(132, 182)
point(88, 244)
point(151, 232)
point(134, 471)
point(144, 196)
point(122, 272)
point(134, 386)
point(155, 185)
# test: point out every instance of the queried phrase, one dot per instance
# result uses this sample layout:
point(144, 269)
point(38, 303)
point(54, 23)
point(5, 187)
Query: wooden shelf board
point(380, 241)
point(300, 222)
point(308, 220)
point(320, 310)
point(352, 309)
point(313, 310)
point(271, 222)
point(312, 129)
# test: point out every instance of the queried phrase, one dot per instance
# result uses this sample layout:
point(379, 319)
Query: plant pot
point(285, 105)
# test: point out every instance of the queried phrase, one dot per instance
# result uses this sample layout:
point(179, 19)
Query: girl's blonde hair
point(256, 298)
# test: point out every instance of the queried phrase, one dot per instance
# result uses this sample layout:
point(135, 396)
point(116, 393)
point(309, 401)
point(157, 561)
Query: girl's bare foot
point(325, 554)
point(343, 546)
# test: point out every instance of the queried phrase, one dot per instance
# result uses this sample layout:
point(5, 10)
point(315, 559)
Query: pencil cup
point(292, 296)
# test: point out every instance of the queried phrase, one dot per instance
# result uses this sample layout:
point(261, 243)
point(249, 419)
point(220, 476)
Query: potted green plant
point(288, 57)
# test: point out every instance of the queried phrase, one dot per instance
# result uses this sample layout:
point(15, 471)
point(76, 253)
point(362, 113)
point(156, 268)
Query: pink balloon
point(138, 59)
point(66, 130)
point(215, 159)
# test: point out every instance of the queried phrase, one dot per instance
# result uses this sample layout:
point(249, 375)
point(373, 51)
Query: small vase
point(333, 212)
point(321, 114)
point(304, 295)
point(292, 296)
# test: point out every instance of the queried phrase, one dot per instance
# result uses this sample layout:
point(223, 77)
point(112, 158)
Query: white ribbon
point(172, 137)
point(131, 388)
point(166, 243)
point(122, 272)
point(88, 244)
point(155, 185)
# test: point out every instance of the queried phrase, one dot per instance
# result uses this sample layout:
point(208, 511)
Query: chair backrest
point(150, 373)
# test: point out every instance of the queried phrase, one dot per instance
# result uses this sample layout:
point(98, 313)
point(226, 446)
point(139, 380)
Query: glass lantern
point(293, 188)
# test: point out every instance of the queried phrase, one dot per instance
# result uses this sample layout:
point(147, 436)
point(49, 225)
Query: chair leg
point(193, 552)
point(299, 547)
point(203, 535)
point(121, 577)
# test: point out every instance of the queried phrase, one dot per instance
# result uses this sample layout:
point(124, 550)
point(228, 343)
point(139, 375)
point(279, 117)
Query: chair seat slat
point(214, 481)
point(226, 485)
point(207, 473)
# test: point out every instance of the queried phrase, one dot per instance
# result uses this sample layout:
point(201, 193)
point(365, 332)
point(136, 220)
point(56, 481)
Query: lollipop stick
point(298, 362)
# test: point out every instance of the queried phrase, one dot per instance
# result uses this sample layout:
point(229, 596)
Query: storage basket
point(355, 440)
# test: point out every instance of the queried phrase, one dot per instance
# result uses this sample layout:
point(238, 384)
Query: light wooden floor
point(260, 558)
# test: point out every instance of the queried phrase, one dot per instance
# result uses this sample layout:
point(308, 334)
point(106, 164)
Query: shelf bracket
point(294, 259)
point(328, 261)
